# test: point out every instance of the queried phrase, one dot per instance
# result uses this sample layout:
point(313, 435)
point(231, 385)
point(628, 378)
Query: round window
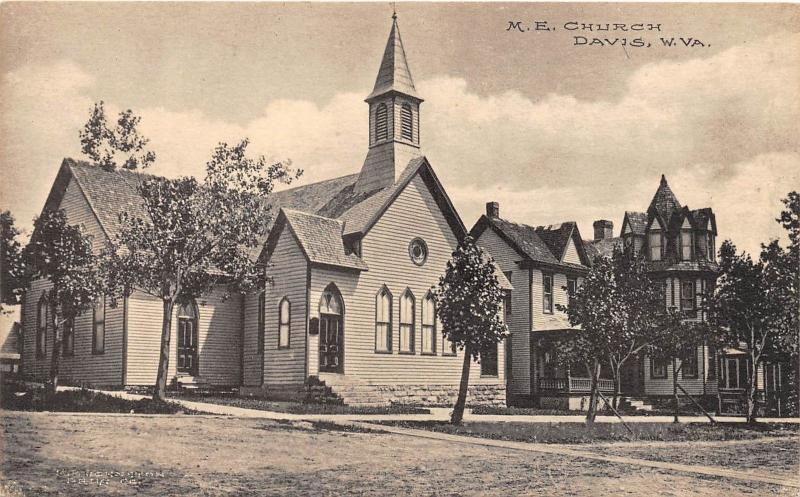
point(418, 251)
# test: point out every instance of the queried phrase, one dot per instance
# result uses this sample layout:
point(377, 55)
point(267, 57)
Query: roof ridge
point(314, 183)
point(310, 214)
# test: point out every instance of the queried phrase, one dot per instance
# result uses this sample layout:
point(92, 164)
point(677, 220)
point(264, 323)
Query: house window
point(381, 123)
point(710, 246)
point(407, 303)
point(489, 360)
point(572, 287)
point(261, 321)
point(284, 323)
point(406, 123)
point(507, 303)
point(68, 345)
point(549, 364)
point(689, 363)
point(383, 321)
point(656, 249)
point(41, 327)
point(658, 369)
point(686, 245)
point(99, 327)
point(687, 297)
point(547, 293)
point(429, 324)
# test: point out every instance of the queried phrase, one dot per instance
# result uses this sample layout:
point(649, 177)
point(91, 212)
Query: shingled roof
point(637, 221)
point(604, 247)
point(664, 202)
point(541, 244)
point(393, 74)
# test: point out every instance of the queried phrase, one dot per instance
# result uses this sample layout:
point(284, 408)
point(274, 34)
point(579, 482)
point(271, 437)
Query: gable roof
point(637, 221)
point(544, 245)
point(604, 247)
point(320, 239)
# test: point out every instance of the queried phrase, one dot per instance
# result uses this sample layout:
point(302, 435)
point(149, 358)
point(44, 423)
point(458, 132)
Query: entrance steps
point(638, 404)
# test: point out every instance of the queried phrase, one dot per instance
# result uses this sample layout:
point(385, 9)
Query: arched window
point(284, 323)
point(261, 321)
point(99, 326)
point(429, 324)
point(330, 302)
point(407, 123)
point(187, 338)
point(381, 122)
point(41, 326)
point(407, 305)
point(383, 320)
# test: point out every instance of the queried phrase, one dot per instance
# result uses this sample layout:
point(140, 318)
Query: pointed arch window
point(407, 122)
point(381, 122)
point(99, 326)
point(407, 306)
point(284, 323)
point(383, 320)
point(429, 324)
point(41, 326)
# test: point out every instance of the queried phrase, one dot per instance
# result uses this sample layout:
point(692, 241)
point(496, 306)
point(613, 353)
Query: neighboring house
point(10, 350)
point(352, 261)
point(680, 246)
point(544, 264)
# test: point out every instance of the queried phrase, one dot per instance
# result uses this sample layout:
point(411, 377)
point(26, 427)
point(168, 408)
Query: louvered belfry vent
point(381, 123)
point(407, 123)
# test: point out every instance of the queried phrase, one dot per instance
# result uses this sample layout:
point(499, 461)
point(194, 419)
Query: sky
point(552, 130)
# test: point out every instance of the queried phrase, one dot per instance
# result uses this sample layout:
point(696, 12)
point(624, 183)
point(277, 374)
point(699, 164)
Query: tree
point(191, 236)
point(13, 277)
point(469, 303)
point(621, 311)
point(62, 253)
point(748, 307)
point(120, 146)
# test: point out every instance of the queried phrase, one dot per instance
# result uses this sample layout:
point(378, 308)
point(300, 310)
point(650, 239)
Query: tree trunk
point(752, 387)
point(677, 403)
point(617, 387)
point(52, 385)
point(458, 409)
point(160, 392)
point(591, 413)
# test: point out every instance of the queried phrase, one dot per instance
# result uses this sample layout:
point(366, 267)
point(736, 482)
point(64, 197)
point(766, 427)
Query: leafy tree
point(190, 237)
point(62, 253)
point(469, 303)
point(13, 276)
point(117, 146)
point(621, 311)
point(748, 307)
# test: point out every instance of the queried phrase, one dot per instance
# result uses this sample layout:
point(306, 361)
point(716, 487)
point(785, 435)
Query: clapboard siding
point(218, 333)
point(252, 359)
point(571, 253)
point(79, 212)
point(83, 367)
point(695, 386)
point(414, 213)
point(519, 321)
point(558, 319)
point(289, 273)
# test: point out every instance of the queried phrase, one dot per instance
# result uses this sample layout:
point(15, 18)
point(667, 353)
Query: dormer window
point(407, 123)
point(381, 122)
point(655, 241)
point(686, 245)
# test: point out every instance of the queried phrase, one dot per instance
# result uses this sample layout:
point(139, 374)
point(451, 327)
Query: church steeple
point(393, 118)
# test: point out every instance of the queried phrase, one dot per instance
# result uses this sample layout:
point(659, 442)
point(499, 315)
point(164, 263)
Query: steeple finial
point(663, 180)
point(394, 11)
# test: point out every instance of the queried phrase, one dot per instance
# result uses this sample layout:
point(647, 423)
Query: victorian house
point(352, 259)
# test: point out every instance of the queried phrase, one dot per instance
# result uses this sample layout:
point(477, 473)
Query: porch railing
point(574, 385)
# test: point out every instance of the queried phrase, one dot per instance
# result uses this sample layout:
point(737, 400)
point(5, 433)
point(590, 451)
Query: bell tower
point(393, 119)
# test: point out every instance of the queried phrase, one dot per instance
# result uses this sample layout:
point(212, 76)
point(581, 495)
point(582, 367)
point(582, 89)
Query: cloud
point(722, 128)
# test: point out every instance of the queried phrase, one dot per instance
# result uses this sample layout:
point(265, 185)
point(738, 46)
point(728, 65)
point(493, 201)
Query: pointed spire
point(394, 74)
point(664, 201)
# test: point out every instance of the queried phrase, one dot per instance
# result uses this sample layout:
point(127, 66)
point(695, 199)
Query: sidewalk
point(436, 414)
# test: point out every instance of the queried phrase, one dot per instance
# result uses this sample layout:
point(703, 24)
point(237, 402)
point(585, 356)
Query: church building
point(349, 312)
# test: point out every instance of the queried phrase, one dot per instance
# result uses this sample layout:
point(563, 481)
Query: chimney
point(492, 209)
point(603, 230)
